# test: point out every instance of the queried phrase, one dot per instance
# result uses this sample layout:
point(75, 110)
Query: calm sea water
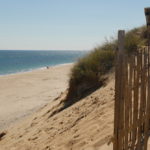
point(14, 61)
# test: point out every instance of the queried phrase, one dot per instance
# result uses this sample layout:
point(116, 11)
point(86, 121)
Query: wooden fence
point(132, 98)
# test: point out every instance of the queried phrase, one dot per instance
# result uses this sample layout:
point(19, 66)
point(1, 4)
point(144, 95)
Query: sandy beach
point(24, 93)
point(87, 125)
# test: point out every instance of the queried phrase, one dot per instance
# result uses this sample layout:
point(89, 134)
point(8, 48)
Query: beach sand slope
point(23, 93)
point(86, 125)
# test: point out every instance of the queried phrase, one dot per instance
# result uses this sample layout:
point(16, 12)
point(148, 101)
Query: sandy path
point(21, 94)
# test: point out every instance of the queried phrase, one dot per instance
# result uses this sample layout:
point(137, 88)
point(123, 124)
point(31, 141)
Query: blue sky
point(65, 24)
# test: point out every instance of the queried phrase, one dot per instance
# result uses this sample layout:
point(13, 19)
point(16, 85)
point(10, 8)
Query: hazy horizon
point(44, 50)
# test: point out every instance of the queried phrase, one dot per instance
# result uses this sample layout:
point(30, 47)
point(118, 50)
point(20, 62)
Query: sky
point(66, 24)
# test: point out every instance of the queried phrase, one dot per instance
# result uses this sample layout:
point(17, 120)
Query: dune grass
point(87, 74)
point(135, 38)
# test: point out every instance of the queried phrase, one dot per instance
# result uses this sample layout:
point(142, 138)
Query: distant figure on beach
point(47, 67)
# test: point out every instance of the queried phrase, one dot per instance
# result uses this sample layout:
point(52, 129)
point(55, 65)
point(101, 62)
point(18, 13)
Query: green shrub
point(135, 38)
point(87, 73)
point(91, 67)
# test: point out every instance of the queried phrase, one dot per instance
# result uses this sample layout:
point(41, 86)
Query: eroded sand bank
point(23, 93)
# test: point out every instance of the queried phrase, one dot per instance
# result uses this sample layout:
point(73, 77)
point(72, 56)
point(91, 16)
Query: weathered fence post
point(147, 116)
point(118, 119)
point(147, 15)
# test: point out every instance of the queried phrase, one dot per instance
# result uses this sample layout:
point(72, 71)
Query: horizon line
point(44, 49)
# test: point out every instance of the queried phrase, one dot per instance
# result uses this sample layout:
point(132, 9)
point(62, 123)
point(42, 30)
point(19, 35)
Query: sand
point(24, 93)
point(86, 125)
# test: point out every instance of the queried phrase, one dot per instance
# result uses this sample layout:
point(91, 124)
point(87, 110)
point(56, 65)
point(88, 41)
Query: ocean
point(15, 61)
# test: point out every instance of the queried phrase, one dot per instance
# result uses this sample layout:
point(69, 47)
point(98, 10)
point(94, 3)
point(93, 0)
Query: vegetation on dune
point(88, 73)
point(135, 38)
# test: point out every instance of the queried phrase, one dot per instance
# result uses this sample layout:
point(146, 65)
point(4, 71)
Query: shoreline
point(36, 69)
point(22, 94)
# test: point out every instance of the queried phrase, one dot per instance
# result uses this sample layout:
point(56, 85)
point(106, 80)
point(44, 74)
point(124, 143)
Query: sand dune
point(21, 94)
point(87, 125)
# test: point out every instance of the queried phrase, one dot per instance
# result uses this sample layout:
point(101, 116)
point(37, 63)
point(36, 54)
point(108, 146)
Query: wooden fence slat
point(141, 98)
point(126, 104)
point(147, 117)
point(130, 98)
point(135, 89)
point(145, 79)
point(116, 111)
point(121, 98)
point(118, 86)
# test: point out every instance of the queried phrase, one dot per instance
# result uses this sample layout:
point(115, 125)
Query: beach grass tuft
point(88, 73)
